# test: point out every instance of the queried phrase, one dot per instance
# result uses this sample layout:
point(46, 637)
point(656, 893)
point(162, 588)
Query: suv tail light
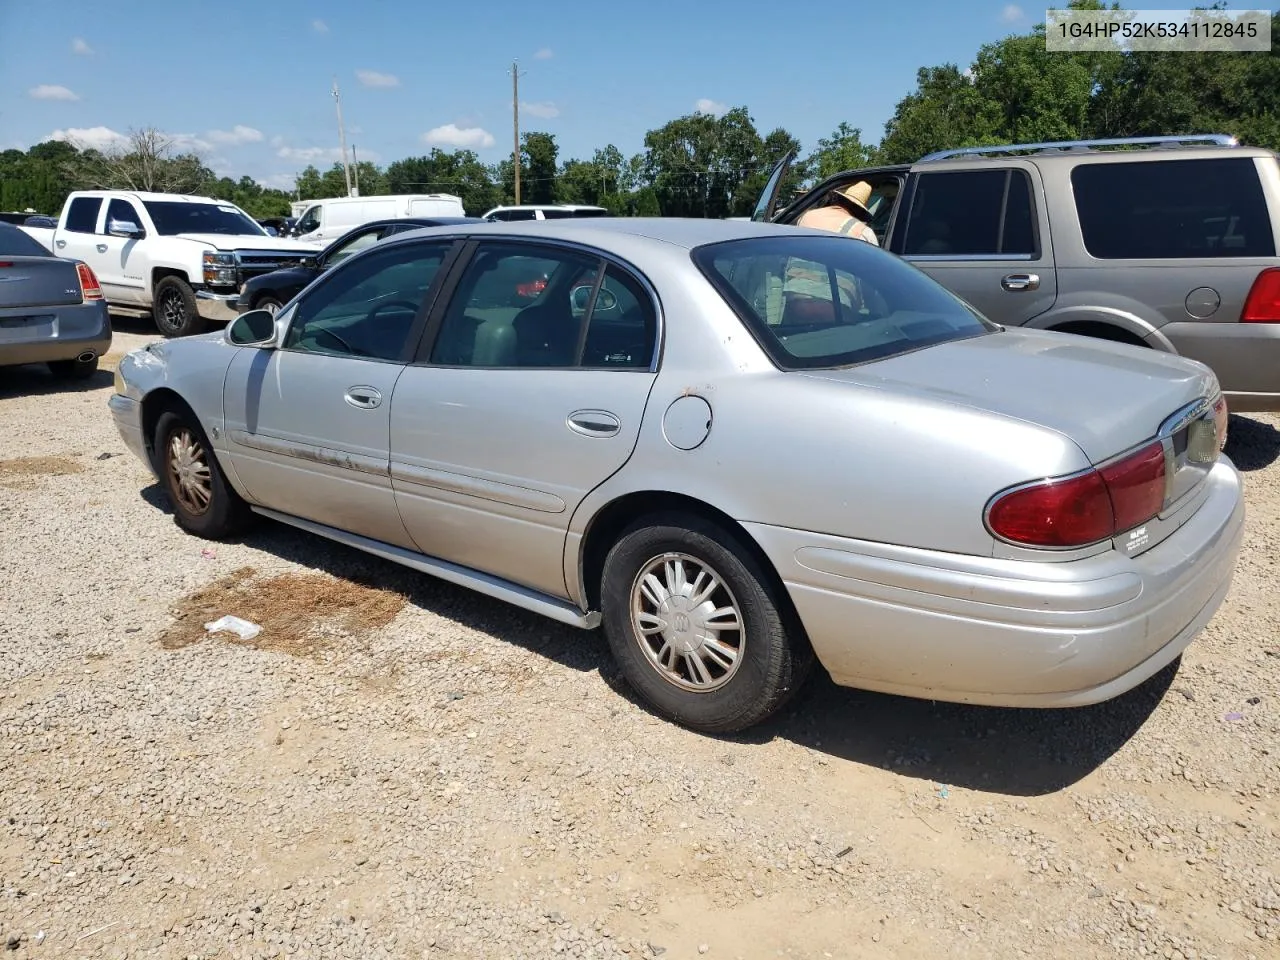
point(90, 289)
point(1263, 303)
point(1085, 508)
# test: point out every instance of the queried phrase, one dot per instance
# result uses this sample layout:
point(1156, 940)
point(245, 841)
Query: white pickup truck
point(180, 259)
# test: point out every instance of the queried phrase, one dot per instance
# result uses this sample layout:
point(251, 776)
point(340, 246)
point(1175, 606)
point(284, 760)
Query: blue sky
point(248, 84)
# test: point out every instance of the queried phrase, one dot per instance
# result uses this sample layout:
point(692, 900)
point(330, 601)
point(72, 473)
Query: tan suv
point(1165, 242)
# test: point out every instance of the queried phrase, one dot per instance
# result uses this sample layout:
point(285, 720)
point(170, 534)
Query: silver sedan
point(737, 447)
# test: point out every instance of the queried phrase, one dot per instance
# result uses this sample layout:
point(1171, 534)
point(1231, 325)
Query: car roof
point(602, 231)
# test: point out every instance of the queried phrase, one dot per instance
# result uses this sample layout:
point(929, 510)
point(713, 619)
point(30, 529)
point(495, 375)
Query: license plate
point(1202, 441)
point(23, 329)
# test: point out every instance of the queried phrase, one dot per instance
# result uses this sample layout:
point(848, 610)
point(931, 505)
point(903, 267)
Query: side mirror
point(311, 263)
point(257, 328)
point(125, 228)
point(579, 297)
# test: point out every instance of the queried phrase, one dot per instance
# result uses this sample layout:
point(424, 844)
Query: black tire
point(174, 309)
point(224, 512)
point(269, 303)
point(73, 369)
point(773, 657)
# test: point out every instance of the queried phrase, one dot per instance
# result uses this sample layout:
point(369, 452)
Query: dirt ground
point(396, 767)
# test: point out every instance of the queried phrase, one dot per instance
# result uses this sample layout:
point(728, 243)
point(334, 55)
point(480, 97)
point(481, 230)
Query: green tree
point(946, 110)
point(538, 180)
point(458, 172)
point(697, 164)
point(843, 150)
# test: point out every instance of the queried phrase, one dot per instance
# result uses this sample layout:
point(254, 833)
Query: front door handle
point(1021, 281)
point(363, 398)
point(102, 248)
point(59, 244)
point(594, 423)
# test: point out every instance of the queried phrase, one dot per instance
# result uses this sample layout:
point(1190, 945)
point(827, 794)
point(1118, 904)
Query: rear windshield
point(173, 217)
point(15, 243)
point(1173, 209)
point(832, 301)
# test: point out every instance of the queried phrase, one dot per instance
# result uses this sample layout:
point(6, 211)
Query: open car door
point(767, 205)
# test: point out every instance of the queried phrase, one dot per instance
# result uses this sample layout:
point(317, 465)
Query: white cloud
point(325, 154)
point(277, 141)
point(319, 26)
point(1012, 13)
point(236, 136)
point(51, 91)
point(545, 110)
point(544, 54)
point(451, 135)
point(279, 181)
point(80, 46)
point(371, 78)
point(713, 107)
point(187, 143)
point(99, 138)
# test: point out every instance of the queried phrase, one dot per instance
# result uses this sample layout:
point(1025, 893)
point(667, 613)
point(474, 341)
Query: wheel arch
point(156, 404)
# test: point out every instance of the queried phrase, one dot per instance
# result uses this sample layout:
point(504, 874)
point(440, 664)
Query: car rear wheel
point(175, 310)
point(74, 369)
point(203, 502)
point(696, 626)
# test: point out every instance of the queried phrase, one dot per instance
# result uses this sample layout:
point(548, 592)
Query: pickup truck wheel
point(696, 626)
point(174, 309)
point(73, 369)
point(270, 304)
point(204, 503)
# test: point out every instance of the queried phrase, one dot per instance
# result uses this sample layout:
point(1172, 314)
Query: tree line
point(704, 165)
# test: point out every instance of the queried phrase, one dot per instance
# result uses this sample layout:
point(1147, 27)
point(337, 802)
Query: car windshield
point(815, 302)
point(173, 217)
point(15, 243)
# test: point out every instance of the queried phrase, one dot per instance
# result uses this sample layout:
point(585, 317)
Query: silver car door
point(984, 235)
point(307, 423)
point(531, 395)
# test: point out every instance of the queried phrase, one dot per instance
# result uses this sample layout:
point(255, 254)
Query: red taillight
point(1086, 508)
point(1220, 415)
point(6, 263)
point(90, 289)
point(1263, 303)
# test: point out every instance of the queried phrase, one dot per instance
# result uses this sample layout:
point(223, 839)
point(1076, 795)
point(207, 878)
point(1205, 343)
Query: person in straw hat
point(848, 214)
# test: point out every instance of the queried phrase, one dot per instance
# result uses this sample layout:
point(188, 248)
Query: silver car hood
point(1106, 397)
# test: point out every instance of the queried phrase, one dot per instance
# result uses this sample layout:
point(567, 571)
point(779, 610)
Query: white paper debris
point(241, 628)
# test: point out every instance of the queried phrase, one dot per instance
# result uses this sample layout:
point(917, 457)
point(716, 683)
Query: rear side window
point(82, 216)
point(972, 213)
point(15, 243)
point(1173, 209)
point(815, 302)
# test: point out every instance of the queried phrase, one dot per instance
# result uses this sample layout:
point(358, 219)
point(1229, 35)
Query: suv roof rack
point(1216, 139)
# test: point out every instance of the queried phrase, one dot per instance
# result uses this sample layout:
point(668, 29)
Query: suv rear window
point(814, 302)
point(1173, 209)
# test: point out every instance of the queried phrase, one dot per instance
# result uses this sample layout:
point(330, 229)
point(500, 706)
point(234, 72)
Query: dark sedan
point(271, 291)
point(51, 309)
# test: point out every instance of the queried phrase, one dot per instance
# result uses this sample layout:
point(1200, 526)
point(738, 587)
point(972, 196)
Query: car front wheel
point(203, 502)
point(696, 626)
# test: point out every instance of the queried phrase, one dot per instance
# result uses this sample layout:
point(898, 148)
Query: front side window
point(354, 244)
point(310, 220)
point(82, 215)
point(121, 210)
point(817, 302)
point(367, 308)
point(971, 213)
point(173, 217)
point(1172, 209)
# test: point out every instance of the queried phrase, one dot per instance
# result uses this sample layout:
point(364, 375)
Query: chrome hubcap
point(189, 471)
point(687, 622)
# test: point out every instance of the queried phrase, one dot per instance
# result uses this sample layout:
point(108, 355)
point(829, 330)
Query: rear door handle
point(59, 244)
point(363, 398)
point(1021, 281)
point(594, 423)
point(102, 248)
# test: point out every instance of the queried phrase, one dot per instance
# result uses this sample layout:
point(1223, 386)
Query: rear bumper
point(1245, 357)
point(74, 330)
point(219, 307)
point(127, 414)
point(1007, 632)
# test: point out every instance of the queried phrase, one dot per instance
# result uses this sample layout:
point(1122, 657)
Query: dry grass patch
point(301, 614)
point(21, 473)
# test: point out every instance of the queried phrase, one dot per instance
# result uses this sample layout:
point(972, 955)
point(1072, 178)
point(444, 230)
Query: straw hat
point(856, 196)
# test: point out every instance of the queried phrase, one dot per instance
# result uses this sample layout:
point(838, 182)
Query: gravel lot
point(470, 781)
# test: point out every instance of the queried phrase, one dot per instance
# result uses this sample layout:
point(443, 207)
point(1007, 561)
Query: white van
point(545, 211)
point(324, 220)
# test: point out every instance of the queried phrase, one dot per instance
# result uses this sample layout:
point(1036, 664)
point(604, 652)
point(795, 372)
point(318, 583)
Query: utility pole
point(342, 136)
point(515, 120)
point(355, 165)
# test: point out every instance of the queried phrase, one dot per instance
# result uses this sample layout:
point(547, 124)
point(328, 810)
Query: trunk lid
point(1106, 397)
point(38, 282)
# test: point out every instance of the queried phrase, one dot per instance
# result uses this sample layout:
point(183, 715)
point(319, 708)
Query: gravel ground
point(471, 781)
